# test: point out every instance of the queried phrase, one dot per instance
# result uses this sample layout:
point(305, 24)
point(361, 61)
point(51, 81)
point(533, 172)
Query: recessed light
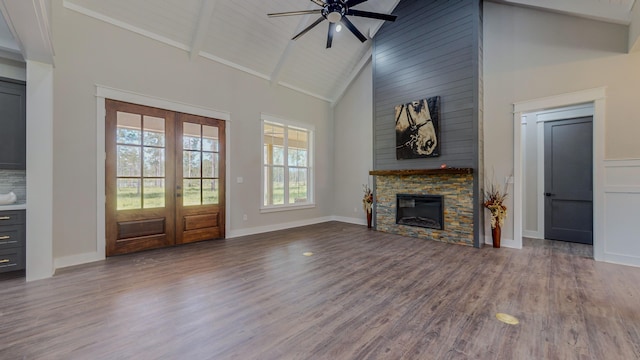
point(308, 253)
point(338, 28)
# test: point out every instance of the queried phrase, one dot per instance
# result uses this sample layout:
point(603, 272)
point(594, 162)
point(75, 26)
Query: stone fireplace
point(453, 185)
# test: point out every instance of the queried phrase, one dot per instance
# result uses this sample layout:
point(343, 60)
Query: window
point(287, 169)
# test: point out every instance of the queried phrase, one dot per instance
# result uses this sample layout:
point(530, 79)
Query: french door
point(164, 178)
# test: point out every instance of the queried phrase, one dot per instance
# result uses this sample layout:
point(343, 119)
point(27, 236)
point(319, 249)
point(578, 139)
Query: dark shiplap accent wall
point(433, 49)
point(430, 51)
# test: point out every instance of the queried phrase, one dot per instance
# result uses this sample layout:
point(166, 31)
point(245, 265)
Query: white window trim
point(311, 185)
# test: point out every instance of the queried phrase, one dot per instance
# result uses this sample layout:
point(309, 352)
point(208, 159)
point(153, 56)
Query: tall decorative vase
point(369, 217)
point(495, 233)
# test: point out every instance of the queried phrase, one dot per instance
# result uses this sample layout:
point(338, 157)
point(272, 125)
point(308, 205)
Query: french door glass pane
point(191, 164)
point(153, 162)
point(191, 193)
point(140, 156)
point(207, 165)
point(191, 136)
point(210, 165)
point(129, 162)
point(153, 131)
point(210, 138)
point(153, 193)
point(297, 185)
point(128, 128)
point(129, 194)
point(210, 191)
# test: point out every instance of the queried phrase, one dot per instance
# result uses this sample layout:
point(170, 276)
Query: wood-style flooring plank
point(362, 295)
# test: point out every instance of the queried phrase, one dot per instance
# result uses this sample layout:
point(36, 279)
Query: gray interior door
point(568, 180)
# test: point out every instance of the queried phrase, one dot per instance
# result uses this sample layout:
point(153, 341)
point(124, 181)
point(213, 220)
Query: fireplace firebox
point(425, 211)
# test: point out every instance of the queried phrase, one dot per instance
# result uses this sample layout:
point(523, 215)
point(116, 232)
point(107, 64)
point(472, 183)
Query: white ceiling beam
point(354, 74)
point(277, 70)
point(204, 20)
point(29, 22)
point(604, 11)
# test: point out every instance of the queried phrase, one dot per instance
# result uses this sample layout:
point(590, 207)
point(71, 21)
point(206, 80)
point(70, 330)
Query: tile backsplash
point(16, 181)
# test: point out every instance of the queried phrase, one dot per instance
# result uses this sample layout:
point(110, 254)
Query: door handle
point(548, 194)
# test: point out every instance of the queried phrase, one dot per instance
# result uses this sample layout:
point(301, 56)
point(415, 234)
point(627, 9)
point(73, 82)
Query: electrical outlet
point(355, 209)
point(245, 217)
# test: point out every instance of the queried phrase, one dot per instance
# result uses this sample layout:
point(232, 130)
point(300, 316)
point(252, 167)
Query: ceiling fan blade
point(320, 2)
point(315, 23)
point(351, 3)
point(332, 29)
point(372, 15)
point(291, 13)
point(353, 29)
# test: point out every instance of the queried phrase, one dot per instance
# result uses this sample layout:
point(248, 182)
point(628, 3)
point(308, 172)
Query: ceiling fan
point(336, 11)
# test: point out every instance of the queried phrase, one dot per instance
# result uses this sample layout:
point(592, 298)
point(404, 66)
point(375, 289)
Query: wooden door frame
point(596, 96)
point(103, 93)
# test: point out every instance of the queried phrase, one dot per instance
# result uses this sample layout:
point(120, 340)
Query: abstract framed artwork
point(418, 129)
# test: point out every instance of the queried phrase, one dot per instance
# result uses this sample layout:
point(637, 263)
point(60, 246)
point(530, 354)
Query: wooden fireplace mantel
point(408, 172)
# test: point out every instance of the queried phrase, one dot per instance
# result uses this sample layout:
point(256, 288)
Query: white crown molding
point(618, 13)
point(142, 99)
point(28, 22)
point(121, 24)
point(300, 90)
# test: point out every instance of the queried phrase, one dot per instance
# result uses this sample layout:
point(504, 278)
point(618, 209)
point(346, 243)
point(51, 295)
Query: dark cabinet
point(12, 240)
point(13, 125)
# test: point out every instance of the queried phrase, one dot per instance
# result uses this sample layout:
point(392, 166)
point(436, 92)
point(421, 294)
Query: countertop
point(16, 206)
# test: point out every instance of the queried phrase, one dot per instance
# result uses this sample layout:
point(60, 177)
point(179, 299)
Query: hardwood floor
point(362, 295)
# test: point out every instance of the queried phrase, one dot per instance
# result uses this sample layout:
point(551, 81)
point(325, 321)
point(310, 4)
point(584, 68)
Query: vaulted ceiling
point(239, 34)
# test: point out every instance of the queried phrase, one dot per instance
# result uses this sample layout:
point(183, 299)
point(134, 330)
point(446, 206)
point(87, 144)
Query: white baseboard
point(349, 220)
point(275, 227)
point(532, 234)
point(622, 259)
point(78, 259)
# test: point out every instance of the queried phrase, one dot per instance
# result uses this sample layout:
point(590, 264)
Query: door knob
point(548, 194)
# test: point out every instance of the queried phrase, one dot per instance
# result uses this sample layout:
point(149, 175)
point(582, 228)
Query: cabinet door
point(13, 126)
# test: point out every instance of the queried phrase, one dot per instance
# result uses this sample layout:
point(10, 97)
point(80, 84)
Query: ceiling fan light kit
point(336, 11)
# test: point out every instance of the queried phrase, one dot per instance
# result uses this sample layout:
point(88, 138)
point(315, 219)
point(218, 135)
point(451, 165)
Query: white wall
point(90, 52)
point(353, 158)
point(39, 170)
point(530, 54)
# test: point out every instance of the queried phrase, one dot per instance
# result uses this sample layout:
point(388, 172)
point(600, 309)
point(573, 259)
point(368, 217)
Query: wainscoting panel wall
point(621, 204)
